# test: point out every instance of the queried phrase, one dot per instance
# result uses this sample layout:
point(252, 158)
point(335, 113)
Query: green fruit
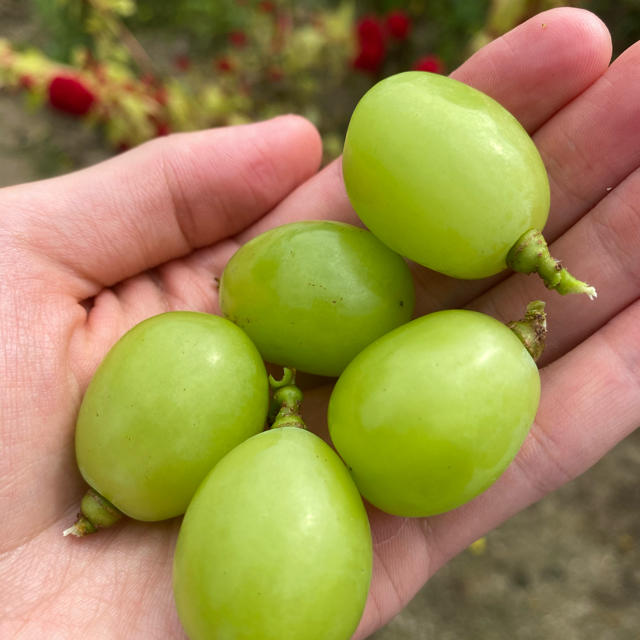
point(172, 396)
point(311, 295)
point(443, 174)
point(275, 545)
point(430, 415)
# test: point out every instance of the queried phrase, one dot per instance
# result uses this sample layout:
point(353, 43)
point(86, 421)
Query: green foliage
point(204, 22)
point(157, 66)
point(64, 26)
point(448, 25)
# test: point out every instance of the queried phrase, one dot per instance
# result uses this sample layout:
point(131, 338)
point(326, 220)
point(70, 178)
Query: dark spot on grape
point(402, 303)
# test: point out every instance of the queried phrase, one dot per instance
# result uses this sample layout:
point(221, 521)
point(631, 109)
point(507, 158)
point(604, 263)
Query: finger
point(602, 248)
point(161, 200)
point(585, 411)
point(541, 65)
point(323, 197)
point(594, 143)
point(533, 71)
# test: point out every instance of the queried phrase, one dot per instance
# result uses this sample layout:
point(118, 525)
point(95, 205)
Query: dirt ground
point(567, 568)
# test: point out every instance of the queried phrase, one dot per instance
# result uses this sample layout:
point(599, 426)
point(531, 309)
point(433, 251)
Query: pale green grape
point(275, 545)
point(443, 174)
point(312, 294)
point(430, 415)
point(172, 396)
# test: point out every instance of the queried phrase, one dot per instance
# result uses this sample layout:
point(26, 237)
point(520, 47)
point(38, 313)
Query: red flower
point(183, 62)
point(371, 45)
point(224, 64)
point(398, 24)
point(68, 94)
point(267, 7)
point(370, 57)
point(429, 63)
point(369, 30)
point(238, 38)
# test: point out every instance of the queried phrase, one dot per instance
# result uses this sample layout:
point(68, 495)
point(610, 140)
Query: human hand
point(89, 255)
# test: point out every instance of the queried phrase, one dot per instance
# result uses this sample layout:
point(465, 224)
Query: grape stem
point(286, 403)
point(530, 254)
point(288, 378)
point(96, 512)
point(532, 329)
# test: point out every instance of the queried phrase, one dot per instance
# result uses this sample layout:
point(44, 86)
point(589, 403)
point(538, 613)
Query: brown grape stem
point(530, 254)
point(96, 513)
point(532, 329)
point(286, 403)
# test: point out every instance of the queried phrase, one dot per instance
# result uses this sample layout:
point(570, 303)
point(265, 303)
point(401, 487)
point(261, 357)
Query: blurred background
point(81, 80)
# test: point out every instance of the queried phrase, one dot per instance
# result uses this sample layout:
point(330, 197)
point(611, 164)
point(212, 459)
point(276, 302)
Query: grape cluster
point(425, 414)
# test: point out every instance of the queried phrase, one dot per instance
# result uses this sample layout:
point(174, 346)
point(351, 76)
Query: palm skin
point(89, 255)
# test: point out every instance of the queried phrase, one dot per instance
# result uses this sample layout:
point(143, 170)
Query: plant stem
point(286, 402)
point(530, 254)
point(532, 329)
point(96, 513)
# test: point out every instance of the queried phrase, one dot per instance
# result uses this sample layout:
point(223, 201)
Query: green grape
point(275, 545)
point(446, 176)
point(312, 294)
point(429, 416)
point(172, 396)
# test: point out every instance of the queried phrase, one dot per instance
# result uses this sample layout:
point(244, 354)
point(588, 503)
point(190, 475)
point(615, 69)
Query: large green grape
point(275, 545)
point(430, 415)
point(172, 396)
point(443, 174)
point(312, 294)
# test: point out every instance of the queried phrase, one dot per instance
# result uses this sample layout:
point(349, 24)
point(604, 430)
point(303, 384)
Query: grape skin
point(430, 415)
point(275, 545)
point(443, 174)
point(312, 294)
point(172, 396)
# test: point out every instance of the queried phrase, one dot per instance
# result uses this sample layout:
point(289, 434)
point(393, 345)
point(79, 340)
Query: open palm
point(88, 255)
